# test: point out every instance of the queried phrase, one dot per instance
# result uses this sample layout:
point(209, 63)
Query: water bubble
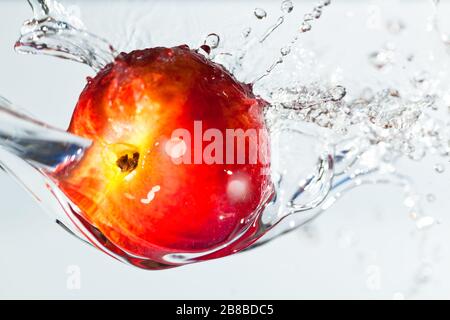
point(260, 13)
point(439, 168)
point(287, 6)
point(212, 40)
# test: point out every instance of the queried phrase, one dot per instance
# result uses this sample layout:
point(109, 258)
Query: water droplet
point(305, 27)
point(417, 154)
point(439, 168)
point(317, 13)
point(420, 80)
point(175, 148)
point(380, 59)
point(151, 195)
point(272, 28)
point(346, 238)
point(398, 296)
point(367, 94)
point(46, 34)
point(237, 189)
point(205, 50)
point(424, 222)
point(308, 17)
point(246, 32)
point(285, 51)
point(260, 13)
point(409, 202)
point(395, 26)
point(212, 40)
point(431, 197)
point(424, 274)
point(287, 6)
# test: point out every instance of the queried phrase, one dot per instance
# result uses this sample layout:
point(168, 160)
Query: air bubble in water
point(260, 13)
point(287, 6)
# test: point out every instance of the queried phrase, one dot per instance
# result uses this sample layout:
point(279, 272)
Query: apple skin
point(148, 205)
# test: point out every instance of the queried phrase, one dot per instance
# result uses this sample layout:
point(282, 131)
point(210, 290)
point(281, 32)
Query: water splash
point(40, 145)
point(305, 26)
point(355, 138)
point(53, 31)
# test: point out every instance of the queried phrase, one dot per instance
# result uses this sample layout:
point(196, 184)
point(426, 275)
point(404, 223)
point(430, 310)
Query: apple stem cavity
point(128, 162)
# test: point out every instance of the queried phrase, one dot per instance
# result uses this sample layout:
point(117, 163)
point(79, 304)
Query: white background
point(364, 247)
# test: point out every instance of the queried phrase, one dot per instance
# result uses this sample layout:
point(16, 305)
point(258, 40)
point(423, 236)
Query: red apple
point(131, 186)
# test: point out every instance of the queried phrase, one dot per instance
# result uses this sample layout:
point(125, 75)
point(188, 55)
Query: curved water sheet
point(54, 31)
